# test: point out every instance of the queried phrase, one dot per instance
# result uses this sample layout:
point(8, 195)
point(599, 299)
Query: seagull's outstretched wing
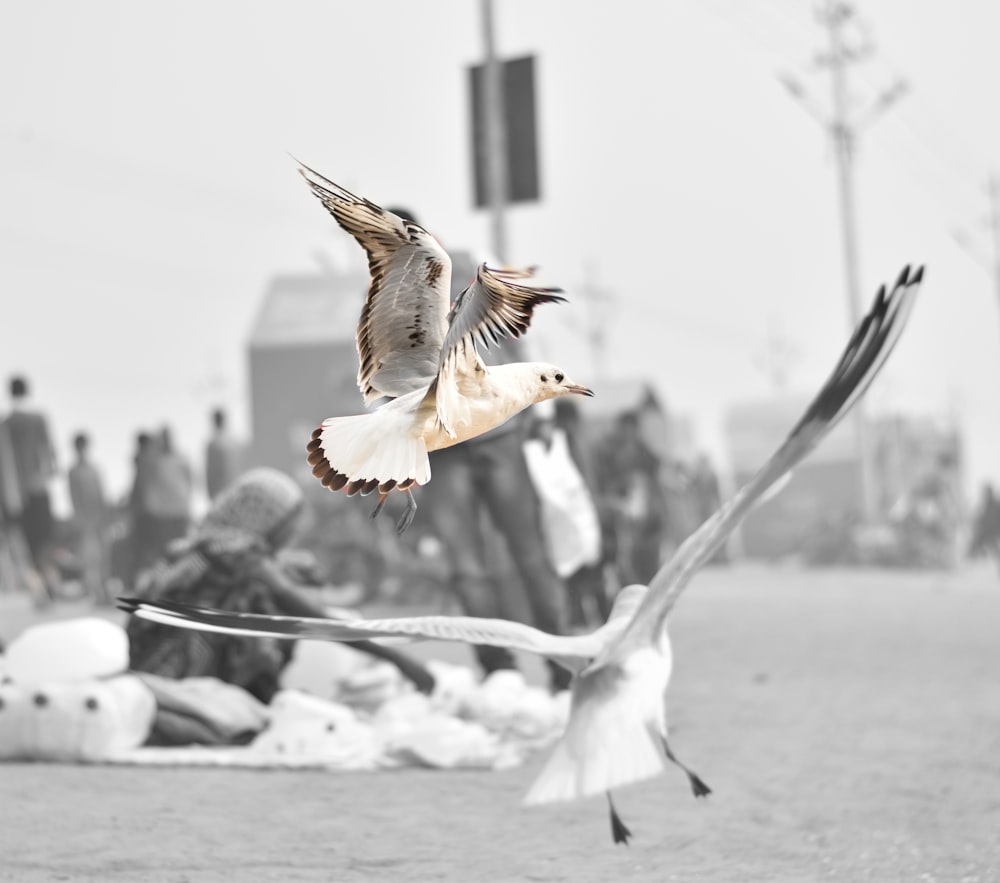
point(467, 629)
point(866, 352)
point(405, 317)
point(495, 306)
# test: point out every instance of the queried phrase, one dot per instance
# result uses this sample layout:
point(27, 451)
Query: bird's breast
point(479, 405)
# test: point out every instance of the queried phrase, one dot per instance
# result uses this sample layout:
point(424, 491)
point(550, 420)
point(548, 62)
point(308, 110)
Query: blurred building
point(303, 363)
point(822, 500)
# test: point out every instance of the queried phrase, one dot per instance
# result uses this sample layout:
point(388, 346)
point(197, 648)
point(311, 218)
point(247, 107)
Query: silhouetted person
point(91, 519)
point(142, 545)
point(221, 456)
point(632, 501)
point(169, 493)
point(986, 526)
point(35, 465)
point(570, 515)
point(11, 557)
point(482, 490)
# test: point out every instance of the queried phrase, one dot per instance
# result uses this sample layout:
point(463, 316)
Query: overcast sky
point(147, 193)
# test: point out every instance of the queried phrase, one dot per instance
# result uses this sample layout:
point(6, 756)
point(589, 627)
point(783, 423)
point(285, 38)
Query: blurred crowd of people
point(105, 542)
point(542, 520)
point(532, 522)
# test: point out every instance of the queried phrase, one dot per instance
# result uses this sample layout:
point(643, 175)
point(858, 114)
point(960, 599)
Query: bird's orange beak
point(580, 390)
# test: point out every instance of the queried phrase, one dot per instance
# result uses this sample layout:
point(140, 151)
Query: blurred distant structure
point(908, 447)
point(816, 513)
point(826, 483)
point(303, 363)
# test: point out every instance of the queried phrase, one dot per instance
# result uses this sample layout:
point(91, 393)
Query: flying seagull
point(419, 351)
point(617, 729)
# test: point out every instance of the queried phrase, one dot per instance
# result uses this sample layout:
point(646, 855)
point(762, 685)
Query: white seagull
point(617, 729)
point(418, 350)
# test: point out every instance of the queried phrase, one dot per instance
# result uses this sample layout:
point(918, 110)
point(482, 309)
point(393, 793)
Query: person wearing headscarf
point(231, 562)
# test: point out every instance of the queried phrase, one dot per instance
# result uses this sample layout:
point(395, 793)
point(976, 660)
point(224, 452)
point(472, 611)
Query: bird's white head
point(542, 381)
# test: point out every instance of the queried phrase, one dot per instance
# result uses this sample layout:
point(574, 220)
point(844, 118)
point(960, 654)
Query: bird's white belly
point(483, 410)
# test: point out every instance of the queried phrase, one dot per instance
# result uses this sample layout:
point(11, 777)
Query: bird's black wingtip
point(918, 277)
point(904, 278)
point(129, 605)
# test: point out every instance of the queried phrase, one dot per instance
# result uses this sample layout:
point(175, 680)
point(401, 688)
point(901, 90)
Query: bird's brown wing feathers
point(495, 306)
point(404, 319)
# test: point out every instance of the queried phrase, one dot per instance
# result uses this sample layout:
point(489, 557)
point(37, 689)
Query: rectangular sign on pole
point(521, 138)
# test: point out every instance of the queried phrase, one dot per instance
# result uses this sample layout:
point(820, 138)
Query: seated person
point(231, 562)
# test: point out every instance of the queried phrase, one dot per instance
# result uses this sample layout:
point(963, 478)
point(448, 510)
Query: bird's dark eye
point(545, 379)
point(559, 378)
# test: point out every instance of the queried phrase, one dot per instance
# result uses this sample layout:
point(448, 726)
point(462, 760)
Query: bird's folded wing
point(467, 629)
point(866, 352)
point(404, 320)
point(495, 306)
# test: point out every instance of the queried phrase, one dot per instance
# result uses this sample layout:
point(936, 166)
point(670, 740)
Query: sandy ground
point(848, 722)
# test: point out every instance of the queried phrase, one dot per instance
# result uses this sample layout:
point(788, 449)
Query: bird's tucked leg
point(698, 787)
point(406, 519)
point(378, 506)
point(619, 832)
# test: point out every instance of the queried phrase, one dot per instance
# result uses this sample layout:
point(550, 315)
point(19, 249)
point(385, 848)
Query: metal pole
point(496, 135)
point(843, 140)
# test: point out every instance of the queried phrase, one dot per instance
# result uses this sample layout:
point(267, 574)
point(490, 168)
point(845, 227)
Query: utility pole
point(843, 128)
point(496, 136)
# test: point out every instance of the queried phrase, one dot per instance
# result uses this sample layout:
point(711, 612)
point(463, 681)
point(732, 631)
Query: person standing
point(11, 561)
point(141, 546)
point(160, 502)
point(632, 500)
point(34, 461)
point(484, 509)
point(169, 494)
point(562, 475)
point(221, 456)
point(90, 517)
point(986, 526)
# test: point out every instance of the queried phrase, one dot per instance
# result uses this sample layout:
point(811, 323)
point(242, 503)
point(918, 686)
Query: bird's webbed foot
point(698, 786)
point(406, 519)
point(619, 831)
point(378, 506)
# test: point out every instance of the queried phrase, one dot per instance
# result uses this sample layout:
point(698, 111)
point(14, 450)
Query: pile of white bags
point(64, 694)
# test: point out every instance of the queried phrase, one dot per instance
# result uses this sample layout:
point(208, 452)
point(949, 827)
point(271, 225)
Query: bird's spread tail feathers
point(613, 735)
point(367, 452)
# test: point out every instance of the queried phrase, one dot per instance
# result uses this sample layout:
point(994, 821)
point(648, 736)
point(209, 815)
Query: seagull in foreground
point(617, 729)
point(418, 350)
